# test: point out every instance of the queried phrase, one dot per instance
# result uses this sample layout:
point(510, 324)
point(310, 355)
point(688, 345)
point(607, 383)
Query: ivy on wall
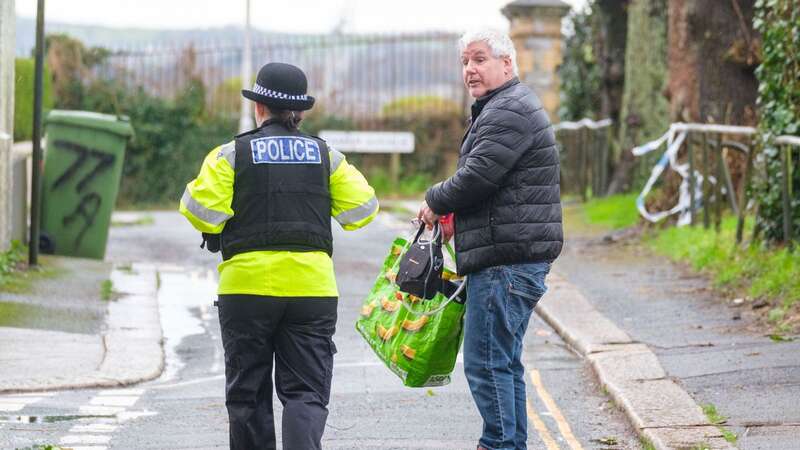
point(579, 72)
point(645, 110)
point(778, 21)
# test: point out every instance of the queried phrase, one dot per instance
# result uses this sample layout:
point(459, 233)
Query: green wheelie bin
point(82, 169)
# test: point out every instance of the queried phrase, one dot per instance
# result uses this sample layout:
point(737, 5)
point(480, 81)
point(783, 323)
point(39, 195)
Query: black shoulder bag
point(420, 270)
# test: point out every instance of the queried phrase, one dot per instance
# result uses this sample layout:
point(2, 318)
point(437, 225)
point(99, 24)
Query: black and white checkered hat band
point(258, 89)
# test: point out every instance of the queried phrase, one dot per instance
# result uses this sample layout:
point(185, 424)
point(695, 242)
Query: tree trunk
point(610, 43)
point(645, 111)
point(711, 61)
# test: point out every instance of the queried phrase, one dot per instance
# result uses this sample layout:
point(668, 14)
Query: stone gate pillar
point(536, 31)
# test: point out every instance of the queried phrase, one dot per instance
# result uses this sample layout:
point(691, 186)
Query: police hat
point(281, 86)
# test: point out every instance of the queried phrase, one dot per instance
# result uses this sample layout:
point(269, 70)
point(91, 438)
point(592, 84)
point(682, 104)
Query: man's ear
point(508, 66)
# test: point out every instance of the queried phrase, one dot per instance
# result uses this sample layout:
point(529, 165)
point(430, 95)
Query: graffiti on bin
point(90, 202)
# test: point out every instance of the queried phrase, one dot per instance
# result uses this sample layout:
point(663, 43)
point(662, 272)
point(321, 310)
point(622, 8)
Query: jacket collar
point(480, 102)
point(263, 125)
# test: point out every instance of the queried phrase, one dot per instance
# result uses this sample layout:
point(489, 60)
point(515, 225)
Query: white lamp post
point(245, 113)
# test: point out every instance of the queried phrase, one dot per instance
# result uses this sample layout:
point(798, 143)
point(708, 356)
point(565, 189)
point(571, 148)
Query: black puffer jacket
point(505, 193)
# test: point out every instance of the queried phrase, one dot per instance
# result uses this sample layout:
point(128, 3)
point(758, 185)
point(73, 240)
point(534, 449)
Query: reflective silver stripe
point(201, 212)
point(228, 151)
point(336, 158)
point(358, 213)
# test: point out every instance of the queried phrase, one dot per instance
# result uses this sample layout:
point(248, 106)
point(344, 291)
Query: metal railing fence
point(357, 77)
point(709, 151)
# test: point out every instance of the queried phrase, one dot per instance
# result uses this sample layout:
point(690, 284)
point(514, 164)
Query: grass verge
point(407, 186)
point(614, 212)
point(761, 273)
point(758, 273)
point(15, 275)
point(10, 261)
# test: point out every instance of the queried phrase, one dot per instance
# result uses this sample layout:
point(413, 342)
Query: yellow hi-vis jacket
point(206, 203)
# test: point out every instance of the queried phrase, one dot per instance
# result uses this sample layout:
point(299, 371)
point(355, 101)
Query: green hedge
point(172, 137)
point(23, 97)
point(778, 21)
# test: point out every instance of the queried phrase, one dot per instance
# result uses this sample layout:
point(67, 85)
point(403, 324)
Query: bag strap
point(450, 250)
point(436, 238)
point(441, 307)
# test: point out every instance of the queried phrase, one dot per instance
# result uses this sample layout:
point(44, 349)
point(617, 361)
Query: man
point(506, 202)
point(266, 198)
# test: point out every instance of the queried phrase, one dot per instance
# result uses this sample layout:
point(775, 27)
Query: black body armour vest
point(281, 193)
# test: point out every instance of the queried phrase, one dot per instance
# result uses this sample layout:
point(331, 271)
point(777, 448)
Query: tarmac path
point(370, 409)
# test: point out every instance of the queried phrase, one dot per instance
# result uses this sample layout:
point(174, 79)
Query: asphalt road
point(370, 409)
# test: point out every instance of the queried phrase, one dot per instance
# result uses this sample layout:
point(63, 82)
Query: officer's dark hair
point(287, 117)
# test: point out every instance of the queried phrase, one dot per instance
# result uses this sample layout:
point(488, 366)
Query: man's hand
point(427, 215)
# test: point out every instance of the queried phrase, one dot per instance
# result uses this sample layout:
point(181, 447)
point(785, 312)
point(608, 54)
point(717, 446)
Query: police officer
point(267, 197)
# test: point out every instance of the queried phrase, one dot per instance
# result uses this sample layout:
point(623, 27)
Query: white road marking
point(85, 439)
point(94, 428)
point(17, 402)
point(130, 415)
point(12, 407)
point(113, 400)
point(189, 382)
point(35, 394)
point(120, 392)
point(94, 410)
point(110, 402)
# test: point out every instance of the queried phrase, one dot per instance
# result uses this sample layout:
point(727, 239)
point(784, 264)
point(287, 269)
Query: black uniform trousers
point(295, 333)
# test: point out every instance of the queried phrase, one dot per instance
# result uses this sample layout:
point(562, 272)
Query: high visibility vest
point(208, 204)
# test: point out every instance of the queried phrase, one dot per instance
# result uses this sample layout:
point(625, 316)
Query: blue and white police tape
point(670, 159)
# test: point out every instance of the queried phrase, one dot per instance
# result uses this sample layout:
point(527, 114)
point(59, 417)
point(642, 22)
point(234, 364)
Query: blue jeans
point(500, 301)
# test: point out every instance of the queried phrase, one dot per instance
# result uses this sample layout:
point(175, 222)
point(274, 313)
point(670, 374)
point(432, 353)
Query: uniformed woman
point(267, 197)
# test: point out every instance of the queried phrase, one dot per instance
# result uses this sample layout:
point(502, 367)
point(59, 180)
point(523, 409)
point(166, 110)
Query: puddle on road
point(104, 418)
point(22, 315)
point(183, 298)
point(48, 419)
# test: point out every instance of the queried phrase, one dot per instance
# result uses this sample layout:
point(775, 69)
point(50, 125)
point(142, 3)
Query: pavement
point(658, 340)
point(657, 406)
point(664, 343)
point(63, 329)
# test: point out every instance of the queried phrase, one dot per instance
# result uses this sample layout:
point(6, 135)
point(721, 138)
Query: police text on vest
point(285, 150)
